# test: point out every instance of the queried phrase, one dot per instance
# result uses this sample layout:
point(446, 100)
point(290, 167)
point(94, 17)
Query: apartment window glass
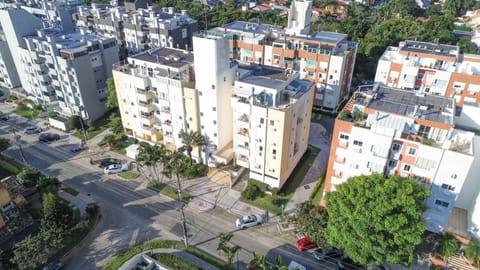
point(343, 136)
point(272, 122)
point(262, 121)
point(214, 109)
point(201, 113)
point(396, 147)
point(412, 151)
point(213, 86)
point(406, 167)
point(442, 203)
point(448, 187)
point(214, 134)
point(214, 122)
point(358, 143)
point(424, 131)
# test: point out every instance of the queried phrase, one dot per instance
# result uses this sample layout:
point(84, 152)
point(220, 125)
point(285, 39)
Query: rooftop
point(67, 40)
point(407, 103)
point(429, 47)
point(165, 56)
point(329, 37)
point(251, 27)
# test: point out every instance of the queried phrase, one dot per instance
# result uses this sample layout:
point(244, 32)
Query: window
point(214, 109)
point(201, 113)
point(420, 76)
point(260, 148)
point(412, 151)
point(396, 147)
point(343, 136)
point(214, 122)
point(202, 127)
point(274, 151)
point(442, 203)
point(392, 163)
point(358, 143)
point(453, 176)
point(214, 134)
point(424, 131)
point(262, 121)
point(448, 187)
point(272, 122)
point(200, 93)
point(406, 167)
point(213, 86)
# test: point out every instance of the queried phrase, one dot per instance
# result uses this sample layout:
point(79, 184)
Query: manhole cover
point(307, 186)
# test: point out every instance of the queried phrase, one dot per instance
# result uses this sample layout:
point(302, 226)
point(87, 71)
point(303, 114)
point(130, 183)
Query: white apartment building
point(156, 95)
point(271, 112)
point(393, 131)
point(8, 72)
point(60, 69)
point(141, 29)
point(299, 16)
point(435, 69)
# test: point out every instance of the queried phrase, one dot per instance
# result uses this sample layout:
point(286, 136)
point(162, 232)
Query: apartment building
point(393, 131)
point(299, 16)
point(435, 69)
point(157, 96)
point(271, 112)
point(140, 29)
point(8, 72)
point(66, 70)
point(325, 58)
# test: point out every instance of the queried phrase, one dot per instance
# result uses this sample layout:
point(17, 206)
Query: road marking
point(133, 241)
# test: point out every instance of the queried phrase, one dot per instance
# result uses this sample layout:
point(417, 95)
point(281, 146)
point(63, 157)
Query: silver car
point(32, 130)
point(248, 221)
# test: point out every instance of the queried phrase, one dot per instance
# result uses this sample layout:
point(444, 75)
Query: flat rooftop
point(68, 40)
point(407, 103)
point(251, 27)
point(165, 56)
point(429, 47)
point(328, 37)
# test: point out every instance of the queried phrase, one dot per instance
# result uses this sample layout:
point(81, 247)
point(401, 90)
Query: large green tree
point(30, 253)
point(112, 100)
point(29, 176)
point(151, 159)
point(377, 220)
point(311, 220)
point(56, 213)
point(472, 251)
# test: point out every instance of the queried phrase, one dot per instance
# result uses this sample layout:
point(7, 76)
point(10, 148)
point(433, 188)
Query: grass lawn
point(115, 263)
point(27, 112)
point(9, 167)
point(97, 126)
point(128, 175)
point(301, 170)
point(168, 190)
point(70, 190)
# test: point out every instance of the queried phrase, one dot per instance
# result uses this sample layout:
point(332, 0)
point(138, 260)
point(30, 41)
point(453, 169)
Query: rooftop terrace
point(429, 47)
point(165, 56)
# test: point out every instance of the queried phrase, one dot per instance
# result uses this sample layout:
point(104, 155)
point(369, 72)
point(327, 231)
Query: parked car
point(32, 130)
point(322, 254)
point(305, 243)
point(76, 150)
point(105, 162)
point(347, 264)
point(115, 168)
point(54, 266)
point(48, 137)
point(248, 221)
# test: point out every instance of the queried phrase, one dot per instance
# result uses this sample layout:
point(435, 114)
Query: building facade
point(392, 131)
point(141, 29)
point(435, 69)
point(271, 112)
point(325, 58)
point(63, 70)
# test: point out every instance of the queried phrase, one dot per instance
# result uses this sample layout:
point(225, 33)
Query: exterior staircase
point(459, 262)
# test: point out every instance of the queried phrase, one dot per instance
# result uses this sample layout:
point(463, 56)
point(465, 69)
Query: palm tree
point(225, 248)
point(259, 262)
point(152, 157)
point(472, 251)
point(448, 245)
point(190, 140)
point(278, 265)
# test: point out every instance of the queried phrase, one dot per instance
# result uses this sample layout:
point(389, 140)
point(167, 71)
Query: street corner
point(200, 205)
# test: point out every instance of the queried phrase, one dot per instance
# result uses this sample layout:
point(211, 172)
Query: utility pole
point(179, 187)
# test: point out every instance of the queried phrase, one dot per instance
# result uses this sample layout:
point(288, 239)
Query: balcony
point(146, 106)
point(144, 94)
point(343, 143)
point(242, 121)
point(165, 110)
point(340, 160)
point(242, 149)
point(147, 119)
point(243, 134)
point(243, 161)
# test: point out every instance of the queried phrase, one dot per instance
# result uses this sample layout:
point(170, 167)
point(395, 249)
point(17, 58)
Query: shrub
point(11, 98)
point(251, 192)
point(174, 262)
point(52, 114)
point(274, 191)
point(448, 245)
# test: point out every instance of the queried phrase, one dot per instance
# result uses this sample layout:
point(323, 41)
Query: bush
point(11, 98)
point(52, 114)
point(4, 144)
point(274, 191)
point(173, 262)
point(251, 192)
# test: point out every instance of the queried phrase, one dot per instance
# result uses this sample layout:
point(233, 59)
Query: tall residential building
point(271, 112)
point(157, 96)
point(392, 131)
point(325, 58)
point(141, 29)
point(55, 67)
point(299, 16)
point(8, 72)
point(435, 69)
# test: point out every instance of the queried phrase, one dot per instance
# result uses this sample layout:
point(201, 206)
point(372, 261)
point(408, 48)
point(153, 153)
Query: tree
point(278, 264)
point(259, 262)
point(311, 220)
point(377, 220)
point(190, 140)
point(151, 159)
point(30, 253)
point(472, 251)
point(47, 182)
point(112, 100)
point(56, 214)
point(116, 125)
point(4, 144)
point(29, 176)
point(467, 46)
point(74, 121)
point(227, 249)
point(448, 245)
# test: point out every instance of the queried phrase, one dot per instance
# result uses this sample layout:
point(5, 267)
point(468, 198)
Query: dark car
point(54, 266)
point(304, 243)
point(4, 117)
point(48, 137)
point(322, 254)
point(105, 162)
point(348, 264)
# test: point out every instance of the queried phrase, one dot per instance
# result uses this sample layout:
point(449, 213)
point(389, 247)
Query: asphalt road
point(132, 214)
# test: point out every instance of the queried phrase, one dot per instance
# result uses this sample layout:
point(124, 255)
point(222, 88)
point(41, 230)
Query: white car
point(115, 168)
point(248, 221)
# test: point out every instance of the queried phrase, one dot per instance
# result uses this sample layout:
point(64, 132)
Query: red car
point(304, 243)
